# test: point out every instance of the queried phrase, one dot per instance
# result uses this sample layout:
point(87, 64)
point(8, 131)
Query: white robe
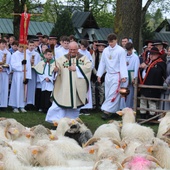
point(16, 98)
point(46, 86)
point(61, 52)
point(113, 61)
point(133, 67)
point(32, 82)
point(89, 105)
point(4, 79)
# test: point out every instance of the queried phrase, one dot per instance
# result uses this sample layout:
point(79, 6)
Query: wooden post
point(135, 99)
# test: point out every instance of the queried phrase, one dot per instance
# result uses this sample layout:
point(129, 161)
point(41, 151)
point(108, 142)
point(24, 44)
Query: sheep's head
point(125, 111)
point(75, 128)
point(128, 115)
point(140, 162)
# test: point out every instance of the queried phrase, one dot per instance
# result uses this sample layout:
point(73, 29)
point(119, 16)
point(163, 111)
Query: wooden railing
point(137, 98)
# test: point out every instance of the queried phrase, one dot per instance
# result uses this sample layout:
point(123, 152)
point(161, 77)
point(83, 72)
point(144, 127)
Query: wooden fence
point(137, 99)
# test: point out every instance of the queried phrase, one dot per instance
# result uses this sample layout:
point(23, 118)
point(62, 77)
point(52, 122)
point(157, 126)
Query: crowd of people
point(70, 77)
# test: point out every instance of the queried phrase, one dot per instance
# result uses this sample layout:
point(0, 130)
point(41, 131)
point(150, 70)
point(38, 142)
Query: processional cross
point(24, 24)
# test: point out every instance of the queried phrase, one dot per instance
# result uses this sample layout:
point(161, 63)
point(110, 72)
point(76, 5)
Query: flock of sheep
point(117, 145)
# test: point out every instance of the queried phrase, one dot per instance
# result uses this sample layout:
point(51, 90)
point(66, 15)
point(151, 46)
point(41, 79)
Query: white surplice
point(133, 67)
point(33, 81)
point(89, 105)
point(113, 61)
point(60, 52)
point(4, 78)
point(16, 98)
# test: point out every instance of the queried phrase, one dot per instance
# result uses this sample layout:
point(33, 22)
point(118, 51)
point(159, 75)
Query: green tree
point(104, 19)
point(63, 25)
point(17, 6)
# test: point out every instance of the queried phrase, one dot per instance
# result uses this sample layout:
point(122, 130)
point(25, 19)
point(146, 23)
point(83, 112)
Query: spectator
point(14, 47)
point(152, 74)
point(166, 94)
point(132, 61)
point(97, 89)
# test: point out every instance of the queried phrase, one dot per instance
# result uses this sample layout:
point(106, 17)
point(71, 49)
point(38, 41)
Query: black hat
point(154, 50)
point(102, 43)
point(53, 37)
point(39, 34)
point(46, 36)
point(148, 41)
point(157, 42)
point(35, 39)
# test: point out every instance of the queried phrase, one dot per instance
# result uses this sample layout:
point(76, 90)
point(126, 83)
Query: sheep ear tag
point(91, 151)
point(55, 123)
point(34, 152)
point(120, 113)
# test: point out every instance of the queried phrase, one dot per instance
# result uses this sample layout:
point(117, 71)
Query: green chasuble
point(70, 91)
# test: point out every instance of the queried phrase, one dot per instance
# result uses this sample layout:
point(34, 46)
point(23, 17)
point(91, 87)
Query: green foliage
point(104, 19)
point(154, 19)
point(147, 33)
point(6, 7)
point(64, 25)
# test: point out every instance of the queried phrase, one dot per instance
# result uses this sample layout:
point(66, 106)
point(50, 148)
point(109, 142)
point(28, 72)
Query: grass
point(32, 118)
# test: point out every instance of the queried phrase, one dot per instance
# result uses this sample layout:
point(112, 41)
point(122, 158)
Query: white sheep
point(110, 130)
point(105, 148)
point(23, 153)
point(140, 162)
point(161, 151)
point(163, 125)
point(39, 132)
point(129, 145)
point(132, 129)
point(107, 163)
point(58, 152)
point(63, 125)
point(10, 160)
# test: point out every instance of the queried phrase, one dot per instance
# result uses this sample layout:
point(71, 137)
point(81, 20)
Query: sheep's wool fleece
point(70, 89)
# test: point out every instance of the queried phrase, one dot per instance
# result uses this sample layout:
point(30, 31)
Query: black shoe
point(105, 116)
point(84, 112)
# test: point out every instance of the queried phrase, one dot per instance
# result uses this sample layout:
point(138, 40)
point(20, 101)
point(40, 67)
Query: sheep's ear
point(120, 113)
point(52, 137)
point(91, 149)
point(36, 149)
